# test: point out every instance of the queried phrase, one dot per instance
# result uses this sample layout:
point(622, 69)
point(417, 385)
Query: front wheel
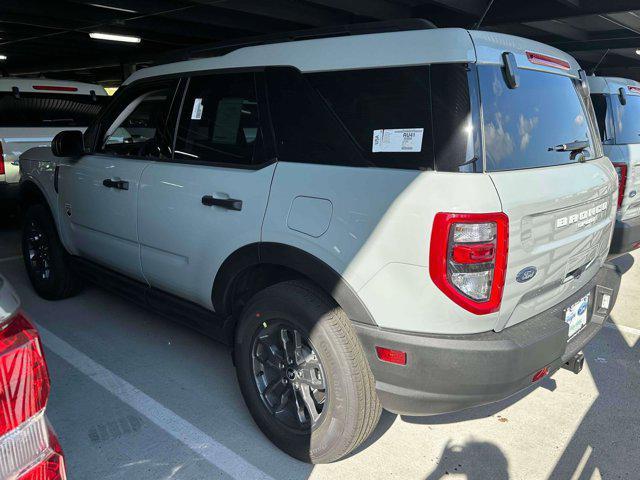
point(45, 259)
point(303, 374)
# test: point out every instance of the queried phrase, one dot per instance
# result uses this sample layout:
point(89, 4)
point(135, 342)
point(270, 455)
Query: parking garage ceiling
point(51, 37)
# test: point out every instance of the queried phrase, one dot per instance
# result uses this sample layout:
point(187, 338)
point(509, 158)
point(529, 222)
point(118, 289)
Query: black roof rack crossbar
point(222, 48)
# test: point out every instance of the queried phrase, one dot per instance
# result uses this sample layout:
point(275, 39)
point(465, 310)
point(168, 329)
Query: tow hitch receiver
point(576, 363)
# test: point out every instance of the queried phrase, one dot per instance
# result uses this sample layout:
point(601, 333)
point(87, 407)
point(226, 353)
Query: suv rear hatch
point(545, 159)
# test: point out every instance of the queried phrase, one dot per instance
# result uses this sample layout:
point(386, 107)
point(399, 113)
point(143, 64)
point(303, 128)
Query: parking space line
point(188, 434)
point(8, 259)
point(622, 328)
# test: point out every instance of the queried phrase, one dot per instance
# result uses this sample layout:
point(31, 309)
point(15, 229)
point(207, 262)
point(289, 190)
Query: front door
point(99, 191)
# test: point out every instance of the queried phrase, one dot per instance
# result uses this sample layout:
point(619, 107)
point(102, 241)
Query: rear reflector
point(547, 61)
point(55, 88)
point(468, 258)
point(540, 374)
point(621, 170)
point(392, 356)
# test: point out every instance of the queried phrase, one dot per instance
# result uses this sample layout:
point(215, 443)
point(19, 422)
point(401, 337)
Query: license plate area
point(577, 315)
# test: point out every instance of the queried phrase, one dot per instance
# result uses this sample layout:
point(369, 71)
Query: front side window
point(627, 119)
point(525, 127)
point(220, 121)
point(138, 128)
point(48, 110)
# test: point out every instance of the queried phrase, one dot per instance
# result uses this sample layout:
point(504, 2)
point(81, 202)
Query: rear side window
point(523, 126)
point(601, 108)
point(386, 112)
point(48, 110)
point(220, 121)
point(627, 119)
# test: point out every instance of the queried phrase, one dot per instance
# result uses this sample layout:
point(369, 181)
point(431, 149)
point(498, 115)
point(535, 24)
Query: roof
point(610, 85)
point(415, 47)
point(28, 84)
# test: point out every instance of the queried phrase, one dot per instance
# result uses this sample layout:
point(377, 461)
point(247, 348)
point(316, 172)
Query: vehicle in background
point(616, 102)
point(351, 224)
point(29, 448)
point(33, 111)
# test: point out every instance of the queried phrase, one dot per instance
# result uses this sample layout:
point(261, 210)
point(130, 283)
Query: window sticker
point(196, 113)
point(397, 140)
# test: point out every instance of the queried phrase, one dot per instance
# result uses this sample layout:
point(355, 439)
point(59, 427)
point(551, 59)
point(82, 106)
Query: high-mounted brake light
point(468, 258)
point(1, 159)
point(548, 61)
point(55, 88)
point(621, 170)
point(634, 89)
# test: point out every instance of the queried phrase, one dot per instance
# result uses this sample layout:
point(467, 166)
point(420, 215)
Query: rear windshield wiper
point(570, 147)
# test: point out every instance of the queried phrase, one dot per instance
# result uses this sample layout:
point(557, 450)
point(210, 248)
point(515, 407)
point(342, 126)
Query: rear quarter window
point(523, 125)
point(627, 119)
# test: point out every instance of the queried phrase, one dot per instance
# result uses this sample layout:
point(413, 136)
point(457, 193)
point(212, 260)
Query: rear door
point(99, 191)
point(560, 202)
point(209, 200)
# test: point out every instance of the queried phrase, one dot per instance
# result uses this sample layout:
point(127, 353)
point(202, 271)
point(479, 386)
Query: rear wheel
point(46, 260)
point(303, 373)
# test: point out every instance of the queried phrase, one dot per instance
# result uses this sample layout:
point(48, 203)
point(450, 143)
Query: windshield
point(541, 123)
point(48, 110)
point(627, 119)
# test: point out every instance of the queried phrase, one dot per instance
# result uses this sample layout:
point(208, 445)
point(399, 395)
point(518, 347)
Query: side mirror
point(68, 143)
point(510, 70)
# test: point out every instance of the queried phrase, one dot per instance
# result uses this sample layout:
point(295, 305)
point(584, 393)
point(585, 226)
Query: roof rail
point(222, 48)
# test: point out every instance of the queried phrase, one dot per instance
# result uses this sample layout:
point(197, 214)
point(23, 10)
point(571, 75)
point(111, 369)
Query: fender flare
point(307, 265)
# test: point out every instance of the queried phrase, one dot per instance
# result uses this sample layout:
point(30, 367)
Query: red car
point(29, 448)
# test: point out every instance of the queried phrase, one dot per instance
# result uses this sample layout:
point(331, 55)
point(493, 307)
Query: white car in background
point(33, 111)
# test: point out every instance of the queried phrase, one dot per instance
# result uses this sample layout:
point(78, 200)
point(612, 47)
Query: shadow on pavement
point(476, 460)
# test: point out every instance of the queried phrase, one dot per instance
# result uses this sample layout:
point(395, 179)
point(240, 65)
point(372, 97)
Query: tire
point(350, 410)
point(45, 259)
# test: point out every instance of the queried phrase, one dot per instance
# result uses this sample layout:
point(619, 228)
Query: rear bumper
point(446, 373)
point(626, 234)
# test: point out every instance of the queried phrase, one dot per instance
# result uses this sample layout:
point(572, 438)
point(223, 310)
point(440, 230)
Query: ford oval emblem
point(632, 194)
point(582, 308)
point(526, 274)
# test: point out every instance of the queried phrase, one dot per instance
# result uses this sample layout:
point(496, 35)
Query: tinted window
point(137, 128)
point(220, 121)
point(305, 129)
point(627, 119)
point(388, 105)
point(600, 108)
point(48, 110)
point(456, 132)
point(523, 125)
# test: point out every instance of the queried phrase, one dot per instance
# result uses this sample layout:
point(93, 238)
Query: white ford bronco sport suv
point(616, 102)
point(415, 220)
point(32, 112)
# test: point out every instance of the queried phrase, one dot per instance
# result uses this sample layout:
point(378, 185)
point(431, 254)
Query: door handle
point(228, 203)
point(118, 184)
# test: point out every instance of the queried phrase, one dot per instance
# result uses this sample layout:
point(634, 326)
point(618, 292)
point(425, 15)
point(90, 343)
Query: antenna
point(484, 14)
point(593, 71)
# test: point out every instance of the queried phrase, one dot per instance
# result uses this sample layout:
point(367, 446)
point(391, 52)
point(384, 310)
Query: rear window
point(522, 126)
point(627, 119)
point(48, 110)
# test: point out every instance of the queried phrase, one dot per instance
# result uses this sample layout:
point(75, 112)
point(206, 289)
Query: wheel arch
point(259, 265)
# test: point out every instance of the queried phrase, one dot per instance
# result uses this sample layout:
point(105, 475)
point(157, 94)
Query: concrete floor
point(136, 396)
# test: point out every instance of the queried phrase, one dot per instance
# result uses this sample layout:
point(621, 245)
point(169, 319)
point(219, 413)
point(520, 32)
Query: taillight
point(29, 449)
point(468, 258)
point(1, 160)
point(548, 61)
point(621, 170)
